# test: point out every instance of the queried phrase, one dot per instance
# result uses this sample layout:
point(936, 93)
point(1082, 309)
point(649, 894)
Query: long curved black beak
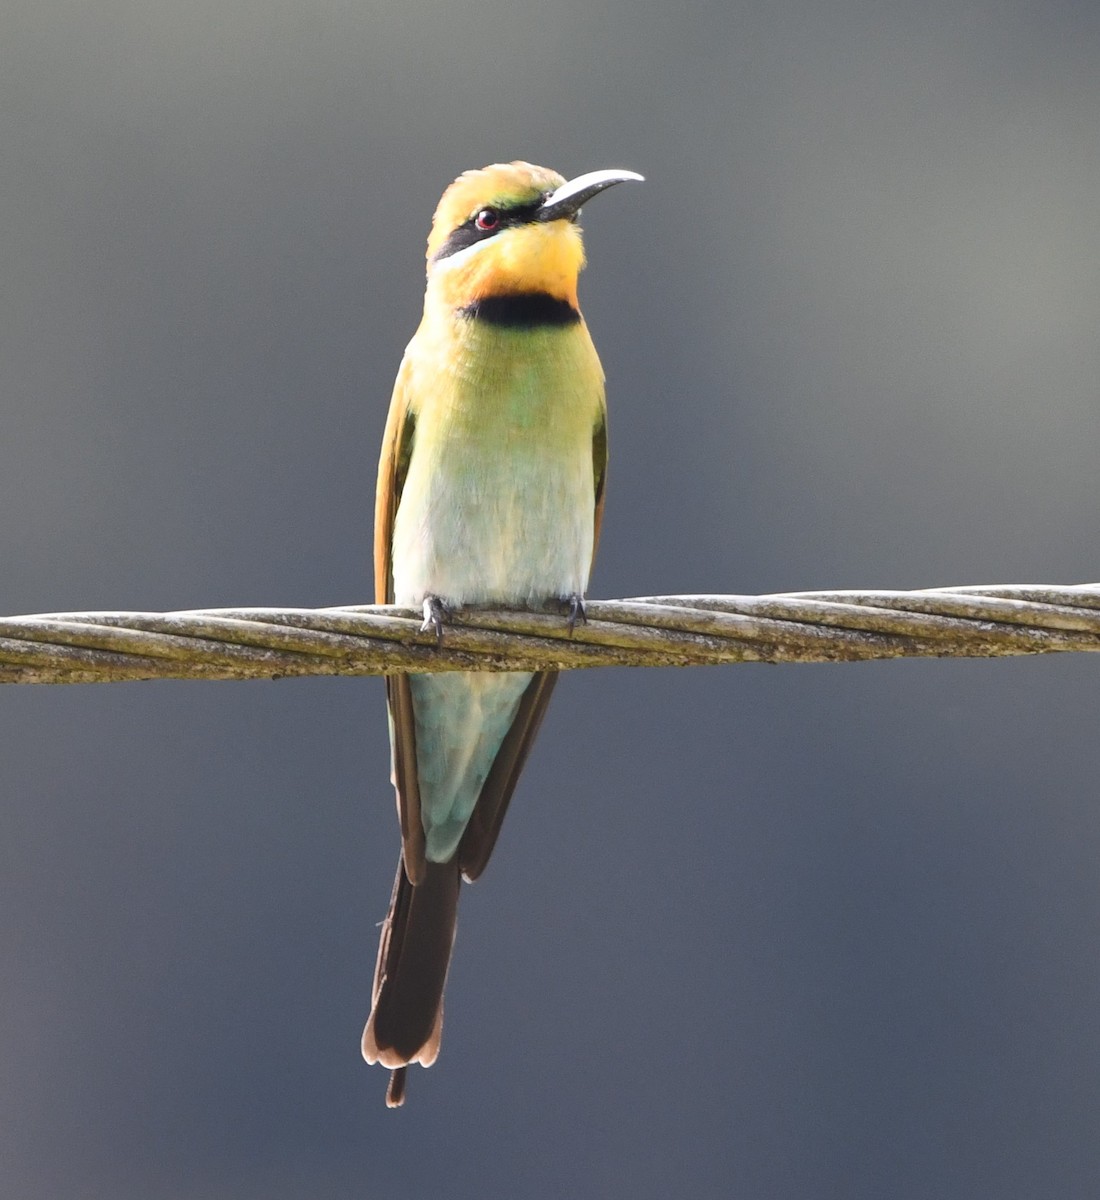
point(564, 203)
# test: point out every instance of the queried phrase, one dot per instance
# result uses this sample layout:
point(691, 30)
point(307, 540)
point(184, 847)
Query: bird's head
point(511, 228)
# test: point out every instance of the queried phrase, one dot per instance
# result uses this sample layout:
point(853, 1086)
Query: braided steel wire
point(823, 626)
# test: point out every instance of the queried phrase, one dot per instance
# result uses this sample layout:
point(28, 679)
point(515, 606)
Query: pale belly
point(478, 524)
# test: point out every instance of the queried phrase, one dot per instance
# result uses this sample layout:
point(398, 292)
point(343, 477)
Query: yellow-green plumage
point(490, 491)
point(499, 500)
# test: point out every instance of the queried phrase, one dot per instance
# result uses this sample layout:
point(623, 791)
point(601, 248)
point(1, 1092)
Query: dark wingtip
point(395, 1093)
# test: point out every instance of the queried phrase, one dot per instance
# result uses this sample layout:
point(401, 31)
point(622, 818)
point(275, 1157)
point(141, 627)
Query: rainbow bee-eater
point(490, 492)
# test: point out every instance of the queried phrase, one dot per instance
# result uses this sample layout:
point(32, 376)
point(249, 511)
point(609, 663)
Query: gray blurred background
point(757, 932)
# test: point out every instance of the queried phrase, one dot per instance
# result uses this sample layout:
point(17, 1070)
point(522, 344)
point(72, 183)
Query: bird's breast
point(498, 503)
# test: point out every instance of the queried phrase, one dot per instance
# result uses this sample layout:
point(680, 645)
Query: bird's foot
point(574, 610)
point(437, 613)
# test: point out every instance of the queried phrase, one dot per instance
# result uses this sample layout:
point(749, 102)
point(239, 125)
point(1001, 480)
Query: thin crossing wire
point(271, 643)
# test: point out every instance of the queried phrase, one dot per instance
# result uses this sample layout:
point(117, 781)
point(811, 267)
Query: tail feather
point(414, 952)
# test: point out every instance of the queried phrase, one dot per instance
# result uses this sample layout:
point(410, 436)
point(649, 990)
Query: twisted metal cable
point(834, 626)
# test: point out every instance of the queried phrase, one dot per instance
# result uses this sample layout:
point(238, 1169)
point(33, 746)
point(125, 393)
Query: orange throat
point(543, 259)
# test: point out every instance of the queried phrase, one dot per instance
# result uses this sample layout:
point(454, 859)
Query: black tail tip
point(395, 1093)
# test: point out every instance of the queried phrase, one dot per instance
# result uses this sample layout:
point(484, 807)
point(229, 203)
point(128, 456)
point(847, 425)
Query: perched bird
point(490, 491)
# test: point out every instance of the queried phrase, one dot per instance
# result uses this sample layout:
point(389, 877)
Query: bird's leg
point(574, 609)
point(436, 614)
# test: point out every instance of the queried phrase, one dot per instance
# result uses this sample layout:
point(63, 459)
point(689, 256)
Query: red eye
point(488, 218)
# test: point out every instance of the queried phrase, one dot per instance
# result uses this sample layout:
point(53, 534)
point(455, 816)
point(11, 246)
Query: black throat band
point(522, 310)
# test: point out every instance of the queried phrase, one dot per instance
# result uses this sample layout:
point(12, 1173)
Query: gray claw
point(436, 613)
point(575, 606)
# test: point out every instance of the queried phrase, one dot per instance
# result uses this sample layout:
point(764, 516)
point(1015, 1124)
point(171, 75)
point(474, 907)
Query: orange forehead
point(499, 185)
